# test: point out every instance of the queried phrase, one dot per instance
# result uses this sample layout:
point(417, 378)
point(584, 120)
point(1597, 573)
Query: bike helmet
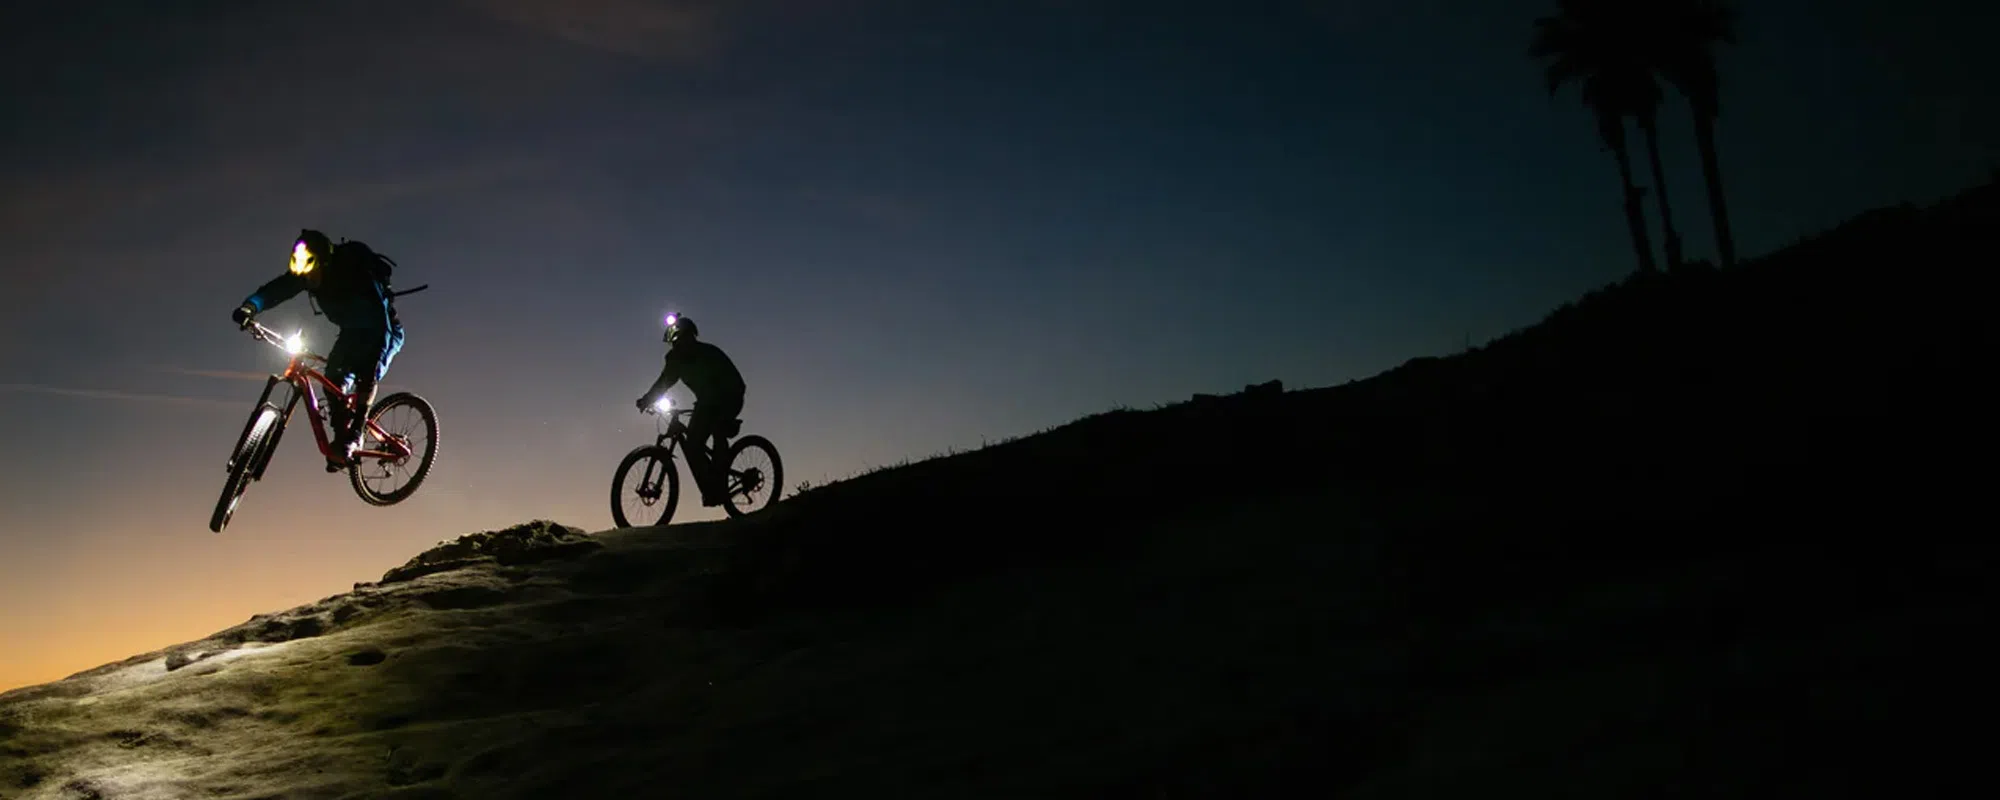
point(679, 326)
point(311, 248)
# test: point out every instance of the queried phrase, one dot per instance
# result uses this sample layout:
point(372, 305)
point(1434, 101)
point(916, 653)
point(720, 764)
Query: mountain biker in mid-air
point(718, 389)
point(351, 284)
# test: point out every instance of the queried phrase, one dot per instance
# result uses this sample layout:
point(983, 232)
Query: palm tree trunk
point(1711, 171)
point(1611, 128)
point(1635, 212)
point(1651, 128)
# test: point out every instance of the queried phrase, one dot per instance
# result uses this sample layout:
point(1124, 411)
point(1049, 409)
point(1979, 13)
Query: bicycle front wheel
point(249, 456)
point(646, 488)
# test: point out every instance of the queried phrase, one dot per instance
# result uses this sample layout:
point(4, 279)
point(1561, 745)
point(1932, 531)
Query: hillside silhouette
point(1700, 532)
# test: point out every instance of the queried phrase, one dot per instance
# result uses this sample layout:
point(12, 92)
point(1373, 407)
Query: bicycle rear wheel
point(646, 488)
point(249, 456)
point(411, 421)
point(755, 476)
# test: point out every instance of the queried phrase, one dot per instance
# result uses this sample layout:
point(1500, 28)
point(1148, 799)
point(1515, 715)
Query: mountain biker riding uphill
point(718, 389)
point(350, 283)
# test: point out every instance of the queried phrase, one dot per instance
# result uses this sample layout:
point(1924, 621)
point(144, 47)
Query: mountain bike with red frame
point(391, 444)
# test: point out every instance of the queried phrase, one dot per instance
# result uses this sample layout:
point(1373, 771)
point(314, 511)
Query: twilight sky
point(913, 224)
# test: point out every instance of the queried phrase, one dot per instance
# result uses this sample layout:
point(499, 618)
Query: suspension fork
point(668, 441)
point(270, 382)
point(284, 421)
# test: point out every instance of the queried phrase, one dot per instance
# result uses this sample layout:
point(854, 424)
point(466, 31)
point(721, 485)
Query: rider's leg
point(364, 399)
point(713, 417)
point(701, 428)
point(338, 419)
point(366, 387)
point(363, 354)
point(336, 411)
point(346, 365)
point(726, 412)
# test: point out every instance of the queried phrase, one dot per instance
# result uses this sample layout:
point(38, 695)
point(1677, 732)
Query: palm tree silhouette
point(1645, 101)
point(1589, 42)
point(1682, 44)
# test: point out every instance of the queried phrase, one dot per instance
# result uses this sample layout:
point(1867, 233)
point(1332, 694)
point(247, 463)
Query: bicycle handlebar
point(278, 340)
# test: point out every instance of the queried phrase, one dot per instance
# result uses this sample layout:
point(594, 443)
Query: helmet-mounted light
point(303, 259)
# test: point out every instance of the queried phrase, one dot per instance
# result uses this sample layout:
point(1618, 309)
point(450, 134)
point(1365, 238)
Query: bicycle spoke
point(750, 476)
point(401, 425)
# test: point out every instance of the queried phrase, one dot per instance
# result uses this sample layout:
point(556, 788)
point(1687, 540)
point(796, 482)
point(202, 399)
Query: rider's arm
point(670, 374)
point(275, 291)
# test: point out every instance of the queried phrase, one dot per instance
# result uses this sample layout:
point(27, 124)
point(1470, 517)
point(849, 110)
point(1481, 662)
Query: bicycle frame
point(675, 432)
point(302, 378)
point(674, 438)
point(722, 480)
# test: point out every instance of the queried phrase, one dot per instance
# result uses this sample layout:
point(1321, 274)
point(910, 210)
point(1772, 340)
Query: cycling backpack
point(381, 266)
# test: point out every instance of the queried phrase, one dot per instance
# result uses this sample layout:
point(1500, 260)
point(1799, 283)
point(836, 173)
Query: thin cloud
point(115, 394)
point(650, 29)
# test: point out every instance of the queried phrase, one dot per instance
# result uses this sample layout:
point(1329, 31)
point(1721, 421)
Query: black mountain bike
point(646, 487)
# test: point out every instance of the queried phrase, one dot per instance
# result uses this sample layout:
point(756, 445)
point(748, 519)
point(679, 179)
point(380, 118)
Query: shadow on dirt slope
point(1702, 534)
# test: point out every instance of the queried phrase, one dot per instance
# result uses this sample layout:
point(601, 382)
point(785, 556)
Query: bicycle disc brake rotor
point(649, 490)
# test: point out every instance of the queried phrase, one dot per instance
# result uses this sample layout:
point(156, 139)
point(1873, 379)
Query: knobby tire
point(775, 481)
point(423, 469)
point(248, 458)
point(670, 491)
